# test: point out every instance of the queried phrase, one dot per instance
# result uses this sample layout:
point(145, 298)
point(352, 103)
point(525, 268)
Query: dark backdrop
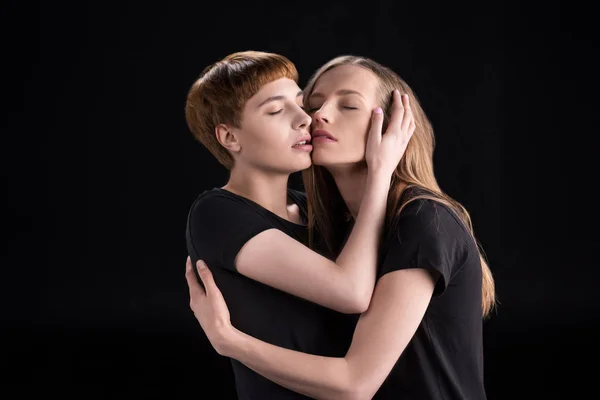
point(99, 171)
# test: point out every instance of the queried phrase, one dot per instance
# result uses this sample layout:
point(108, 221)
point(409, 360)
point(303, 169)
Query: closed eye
point(350, 108)
point(275, 112)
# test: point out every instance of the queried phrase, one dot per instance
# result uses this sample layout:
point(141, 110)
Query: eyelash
point(345, 107)
point(277, 112)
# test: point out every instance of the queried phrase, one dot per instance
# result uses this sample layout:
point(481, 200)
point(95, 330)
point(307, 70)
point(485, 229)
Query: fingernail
point(378, 110)
point(201, 265)
point(397, 91)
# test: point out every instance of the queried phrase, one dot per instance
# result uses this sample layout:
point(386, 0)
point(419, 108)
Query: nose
point(304, 120)
point(321, 115)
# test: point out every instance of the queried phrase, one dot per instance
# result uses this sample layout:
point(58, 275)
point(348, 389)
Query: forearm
point(358, 258)
point(315, 376)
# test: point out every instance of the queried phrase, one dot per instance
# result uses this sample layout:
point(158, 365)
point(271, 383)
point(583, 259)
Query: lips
point(322, 134)
point(302, 141)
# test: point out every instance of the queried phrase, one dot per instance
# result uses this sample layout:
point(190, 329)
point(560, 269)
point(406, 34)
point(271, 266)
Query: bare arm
point(347, 284)
point(382, 333)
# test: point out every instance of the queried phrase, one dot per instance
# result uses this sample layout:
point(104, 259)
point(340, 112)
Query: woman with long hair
point(421, 336)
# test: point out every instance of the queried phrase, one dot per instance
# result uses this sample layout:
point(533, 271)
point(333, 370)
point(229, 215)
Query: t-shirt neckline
point(263, 208)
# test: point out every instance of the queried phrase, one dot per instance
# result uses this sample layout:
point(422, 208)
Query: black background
point(99, 170)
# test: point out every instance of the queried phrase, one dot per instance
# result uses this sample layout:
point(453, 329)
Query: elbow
point(350, 395)
point(349, 305)
point(352, 297)
point(352, 305)
point(356, 392)
point(351, 387)
point(359, 301)
point(357, 307)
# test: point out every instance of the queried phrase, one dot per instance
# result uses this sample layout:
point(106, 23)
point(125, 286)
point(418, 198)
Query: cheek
point(357, 135)
point(272, 149)
point(355, 150)
point(264, 148)
point(253, 141)
point(263, 138)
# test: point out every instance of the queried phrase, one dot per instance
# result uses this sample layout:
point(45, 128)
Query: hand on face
point(209, 306)
point(384, 152)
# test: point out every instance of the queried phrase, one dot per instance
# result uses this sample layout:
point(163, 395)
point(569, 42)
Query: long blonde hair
point(326, 206)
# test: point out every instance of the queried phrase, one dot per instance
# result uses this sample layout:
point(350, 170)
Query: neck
point(351, 181)
point(267, 189)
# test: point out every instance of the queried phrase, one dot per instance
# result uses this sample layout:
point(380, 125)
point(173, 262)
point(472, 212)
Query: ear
point(226, 136)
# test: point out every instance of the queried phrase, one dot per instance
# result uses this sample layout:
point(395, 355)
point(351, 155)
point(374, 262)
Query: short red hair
point(222, 90)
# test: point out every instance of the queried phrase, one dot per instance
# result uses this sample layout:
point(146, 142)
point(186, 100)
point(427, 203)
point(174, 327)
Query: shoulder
point(219, 215)
point(219, 207)
point(429, 217)
point(217, 199)
point(426, 233)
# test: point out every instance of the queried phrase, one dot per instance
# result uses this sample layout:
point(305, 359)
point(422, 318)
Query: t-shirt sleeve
point(218, 227)
point(425, 236)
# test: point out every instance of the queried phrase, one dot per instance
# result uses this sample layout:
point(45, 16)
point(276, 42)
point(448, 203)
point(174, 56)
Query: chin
point(299, 165)
point(306, 164)
point(317, 156)
point(321, 159)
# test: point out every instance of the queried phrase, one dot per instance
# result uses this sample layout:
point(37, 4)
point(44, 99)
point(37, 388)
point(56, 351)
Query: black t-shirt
point(219, 224)
point(444, 359)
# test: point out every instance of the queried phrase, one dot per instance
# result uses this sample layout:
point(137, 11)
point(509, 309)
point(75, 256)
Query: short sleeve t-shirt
point(219, 224)
point(444, 359)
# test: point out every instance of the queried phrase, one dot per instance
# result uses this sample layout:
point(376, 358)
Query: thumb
point(205, 275)
point(376, 126)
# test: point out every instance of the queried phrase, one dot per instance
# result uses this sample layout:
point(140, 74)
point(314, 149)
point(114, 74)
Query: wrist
point(379, 178)
point(230, 340)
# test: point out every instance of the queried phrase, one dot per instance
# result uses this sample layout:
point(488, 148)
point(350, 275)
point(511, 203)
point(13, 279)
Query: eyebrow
point(279, 97)
point(341, 92)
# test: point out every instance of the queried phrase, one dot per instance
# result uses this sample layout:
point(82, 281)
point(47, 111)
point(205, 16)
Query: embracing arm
point(347, 284)
point(382, 333)
point(344, 285)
